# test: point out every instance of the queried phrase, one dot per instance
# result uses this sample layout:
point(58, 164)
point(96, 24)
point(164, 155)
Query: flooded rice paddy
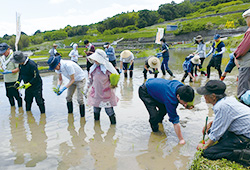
point(58, 140)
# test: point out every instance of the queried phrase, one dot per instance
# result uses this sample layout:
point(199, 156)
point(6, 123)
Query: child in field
point(32, 81)
point(154, 63)
point(188, 66)
point(101, 93)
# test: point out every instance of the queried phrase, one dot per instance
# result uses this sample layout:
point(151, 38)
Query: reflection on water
point(21, 145)
point(58, 140)
point(103, 148)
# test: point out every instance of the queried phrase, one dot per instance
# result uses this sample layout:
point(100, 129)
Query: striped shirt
point(230, 115)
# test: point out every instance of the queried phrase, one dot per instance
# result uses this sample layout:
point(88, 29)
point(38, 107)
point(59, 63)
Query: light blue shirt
point(110, 51)
point(230, 115)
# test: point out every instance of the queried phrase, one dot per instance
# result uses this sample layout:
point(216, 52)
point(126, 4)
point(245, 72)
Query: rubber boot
point(82, 110)
point(28, 106)
point(70, 107)
point(41, 108)
point(112, 119)
point(126, 75)
point(155, 128)
point(97, 116)
point(131, 74)
point(20, 103)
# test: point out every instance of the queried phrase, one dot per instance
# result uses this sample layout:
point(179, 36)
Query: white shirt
point(127, 60)
point(68, 68)
point(74, 55)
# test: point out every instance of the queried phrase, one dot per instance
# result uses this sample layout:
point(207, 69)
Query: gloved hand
point(17, 84)
point(57, 89)
point(214, 55)
point(150, 72)
point(24, 86)
point(7, 72)
point(120, 71)
point(158, 55)
point(62, 90)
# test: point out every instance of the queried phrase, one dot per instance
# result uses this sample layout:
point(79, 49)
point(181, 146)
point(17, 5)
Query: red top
point(244, 46)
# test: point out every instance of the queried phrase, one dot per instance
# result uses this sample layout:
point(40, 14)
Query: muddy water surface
point(58, 140)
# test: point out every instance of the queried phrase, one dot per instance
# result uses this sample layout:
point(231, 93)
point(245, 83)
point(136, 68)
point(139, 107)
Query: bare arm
point(15, 70)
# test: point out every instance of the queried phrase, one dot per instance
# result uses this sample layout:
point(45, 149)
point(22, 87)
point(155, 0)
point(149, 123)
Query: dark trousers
point(164, 66)
point(145, 73)
point(11, 93)
point(185, 76)
point(89, 64)
point(156, 110)
point(34, 92)
point(200, 66)
point(226, 146)
point(216, 63)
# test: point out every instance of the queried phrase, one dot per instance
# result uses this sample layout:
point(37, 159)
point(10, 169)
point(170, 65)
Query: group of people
point(229, 132)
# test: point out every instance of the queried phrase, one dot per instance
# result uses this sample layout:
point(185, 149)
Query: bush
point(209, 26)
point(108, 32)
point(221, 27)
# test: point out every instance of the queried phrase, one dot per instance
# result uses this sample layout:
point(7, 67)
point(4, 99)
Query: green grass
point(201, 163)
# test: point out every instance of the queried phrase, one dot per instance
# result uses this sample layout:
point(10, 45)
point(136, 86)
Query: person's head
point(217, 37)
point(18, 58)
point(75, 46)
point(99, 57)
point(196, 59)
point(163, 40)
point(185, 94)
point(213, 91)
point(198, 39)
point(54, 63)
point(154, 62)
point(106, 45)
point(86, 42)
point(55, 46)
point(126, 54)
point(4, 49)
point(246, 16)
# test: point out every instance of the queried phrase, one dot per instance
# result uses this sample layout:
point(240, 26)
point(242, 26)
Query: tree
point(37, 32)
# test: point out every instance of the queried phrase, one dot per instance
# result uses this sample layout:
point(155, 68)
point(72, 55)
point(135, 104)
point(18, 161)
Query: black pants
point(156, 110)
point(11, 93)
point(226, 146)
point(185, 76)
point(89, 64)
point(34, 92)
point(216, 63)
point(200, 66)
point(145, 73)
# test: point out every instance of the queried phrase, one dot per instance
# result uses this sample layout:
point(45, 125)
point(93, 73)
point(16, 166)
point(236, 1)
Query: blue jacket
point(110, 51)
point(218, 49)
point(164, 91)
point(165, 47)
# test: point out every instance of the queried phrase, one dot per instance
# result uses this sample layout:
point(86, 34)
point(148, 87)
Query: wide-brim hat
point(246, 13)
point(212, 86)
point(18, 57)
point(196, 59)
point(154, 62)
point(53, 62)
point(55, 45)
point(3, 48)
point(100, 56)
point(198, 38)
point(126, 54)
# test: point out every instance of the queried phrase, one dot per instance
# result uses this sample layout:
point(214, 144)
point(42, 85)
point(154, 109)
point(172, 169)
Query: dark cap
point(18, 57)
point(106, 44)
point(53, 62)
point(216, 36)
point(3, 47)
point(212, 86)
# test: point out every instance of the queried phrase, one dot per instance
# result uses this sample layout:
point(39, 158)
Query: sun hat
point(106, 44)
point(216, 36)
point(246, 13)
point(3, 48)
point(55, 45)
point(196, 59)
point(212, 86)
point(198, 38)
point(154, 62)
point(18, 57)
point(53, 62)
point(100, 56)
point(126, 54)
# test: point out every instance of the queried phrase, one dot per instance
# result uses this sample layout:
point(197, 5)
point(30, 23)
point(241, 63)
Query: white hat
point(154, 62)
point(246, 13)
point(126, 54)
point(100, 56)
point(196, 59)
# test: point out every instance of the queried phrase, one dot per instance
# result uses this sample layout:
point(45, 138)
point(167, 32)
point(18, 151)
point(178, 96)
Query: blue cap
point(3, 47)
point(53, 62)
point(216, 36)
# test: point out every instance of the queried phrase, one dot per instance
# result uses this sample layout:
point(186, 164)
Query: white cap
point(246, 13)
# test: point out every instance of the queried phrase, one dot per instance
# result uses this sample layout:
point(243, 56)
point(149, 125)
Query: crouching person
point(230, 127)
point(32, 81)
point(162, 96)
point(154, 63)
point(101, 93)
point(76, 77)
